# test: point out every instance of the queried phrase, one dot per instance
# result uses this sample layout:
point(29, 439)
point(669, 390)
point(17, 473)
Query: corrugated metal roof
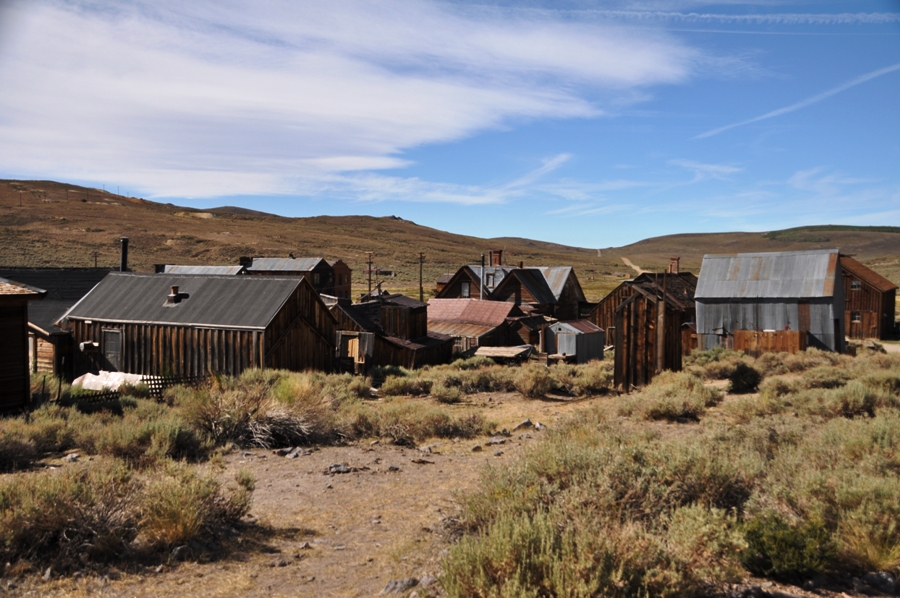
point(533, 279)
point(9, 287)
point(793, 274)
point(863, 273)
point(220, 301)
point(204, 270)
point(471, 311)
point(556, 277)
point(277, 264)
point(577, 326)
point(65, 286)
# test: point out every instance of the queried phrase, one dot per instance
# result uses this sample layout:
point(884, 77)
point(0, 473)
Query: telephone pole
point(421, 290)
point(369, 270)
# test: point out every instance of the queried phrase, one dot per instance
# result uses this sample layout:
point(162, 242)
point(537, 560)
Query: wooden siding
point(604, 313)
point(875, 309)
point(15, 379)
point(648, 340)
point(757, 342)
point(404, 322)
point(300, 336)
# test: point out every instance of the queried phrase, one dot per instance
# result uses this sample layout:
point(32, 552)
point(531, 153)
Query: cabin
point(15, 378)
point(870, 301)
point(548, 291)
point(777, 301)
point(327, 277)
point(50, 348)
point(581, 338)
point(473, 323)
point(193, 326)
point(390, 330)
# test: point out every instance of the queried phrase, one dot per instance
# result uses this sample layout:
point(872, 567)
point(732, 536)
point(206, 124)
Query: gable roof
point(11, 287)
point(534, 281)
point(287, 264)
point(215, 301)
point(784, 274)
point(865, 274)
point(577, 326)
point(64, 287)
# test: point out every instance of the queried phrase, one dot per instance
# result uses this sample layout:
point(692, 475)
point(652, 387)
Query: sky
point(587, 123)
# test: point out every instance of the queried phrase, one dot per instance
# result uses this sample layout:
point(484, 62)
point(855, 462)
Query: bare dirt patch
point(317, 532)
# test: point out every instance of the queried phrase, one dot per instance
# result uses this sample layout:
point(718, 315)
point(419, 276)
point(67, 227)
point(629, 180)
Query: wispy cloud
point(807, 102)
point(704, 172)
point(205, 98)
point(845, 18)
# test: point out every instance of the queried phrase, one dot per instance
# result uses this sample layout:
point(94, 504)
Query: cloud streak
point(807, 102)
point(205, 99)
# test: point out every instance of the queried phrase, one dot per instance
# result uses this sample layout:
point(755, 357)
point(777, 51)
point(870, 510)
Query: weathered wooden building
point(649, 331)
point(473, 323)
point(176, 325)
point(789, 290)
point(870, 301)
point(681, 286)
point(548, 291)
point(50, 348)
point(199, 270)
point(327, 277)
point(15, 378)
point(581, 338)
point(391, 330)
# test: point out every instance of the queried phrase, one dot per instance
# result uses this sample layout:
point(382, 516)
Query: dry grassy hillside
point(45, 223)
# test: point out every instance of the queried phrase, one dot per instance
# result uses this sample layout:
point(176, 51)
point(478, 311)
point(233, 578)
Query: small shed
point(179, 325)
point(580, 338)
point(779, 291)
point(870, 301)
point(15, 379)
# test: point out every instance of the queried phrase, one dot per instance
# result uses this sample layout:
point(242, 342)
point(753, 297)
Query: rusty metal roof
point(784, 274)
point(203, 270)
point(10, 287)
point(287, 264)
point(470, 311)
point(577, 326)
point(459, 328)
point(865, 274)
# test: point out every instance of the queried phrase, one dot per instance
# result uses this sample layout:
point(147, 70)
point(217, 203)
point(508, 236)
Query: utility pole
point(369, 270)
point(421, 290)
point(95, 255)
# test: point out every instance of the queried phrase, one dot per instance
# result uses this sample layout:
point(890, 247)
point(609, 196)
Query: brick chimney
point(673, 265)
point(173, 296)
point(496, 257)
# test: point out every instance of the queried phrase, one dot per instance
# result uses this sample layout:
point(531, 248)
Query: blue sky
point(594, 124)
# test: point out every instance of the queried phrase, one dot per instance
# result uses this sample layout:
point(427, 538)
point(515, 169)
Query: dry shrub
point(446, 394)
point(15, 452)
point(744, 379)
point(672, 396)
point(180, 503)
point(55, 517)
point(781, 550)
point(582, 380)
point(533, 381)
point(406, 386)
point(771, 364)
point(825, 376)
point(808, 359)
point(776, 388)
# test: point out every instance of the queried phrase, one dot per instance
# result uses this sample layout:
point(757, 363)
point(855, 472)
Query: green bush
point(744, 379)
point(783, 551)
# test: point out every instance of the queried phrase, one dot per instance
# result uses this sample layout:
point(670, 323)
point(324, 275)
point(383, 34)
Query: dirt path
point(341, 534)
point(637, 269)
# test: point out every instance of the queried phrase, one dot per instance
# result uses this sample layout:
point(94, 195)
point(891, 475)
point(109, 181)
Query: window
point(464, 289)
point(112, 349)
point(855, 317)
point(855, 285)
point(316, 278)
point(489, 279)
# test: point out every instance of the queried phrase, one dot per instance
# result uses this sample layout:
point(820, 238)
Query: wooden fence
point(756, 342)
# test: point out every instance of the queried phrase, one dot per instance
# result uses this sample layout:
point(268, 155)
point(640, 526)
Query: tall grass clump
point(671, 396)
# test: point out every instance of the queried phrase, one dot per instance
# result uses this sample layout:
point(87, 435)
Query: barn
point(770, 295)
point(180, 325)
point(870, 300)
point(15, 379)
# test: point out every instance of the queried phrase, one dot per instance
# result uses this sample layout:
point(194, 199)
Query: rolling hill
point(46, 223)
